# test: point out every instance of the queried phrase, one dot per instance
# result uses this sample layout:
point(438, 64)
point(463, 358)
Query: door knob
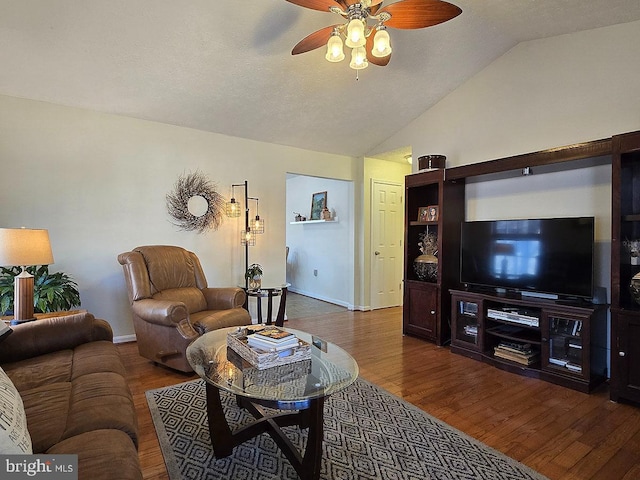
point(376, 252)
point(622, 354)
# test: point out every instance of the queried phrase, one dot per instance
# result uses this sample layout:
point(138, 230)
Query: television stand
point(559, 342)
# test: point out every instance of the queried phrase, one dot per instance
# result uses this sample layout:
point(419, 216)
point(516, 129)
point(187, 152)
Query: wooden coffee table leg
point(221, 436)
point(223, 440)
point(312, 460)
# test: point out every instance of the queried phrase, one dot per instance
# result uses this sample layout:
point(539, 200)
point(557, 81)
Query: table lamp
point(24, 247)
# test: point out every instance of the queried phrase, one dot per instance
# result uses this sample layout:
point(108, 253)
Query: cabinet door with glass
point(566, 344)
point(466, 314)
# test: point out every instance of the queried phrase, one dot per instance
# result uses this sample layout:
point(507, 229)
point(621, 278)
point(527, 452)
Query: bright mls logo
point(56, 467)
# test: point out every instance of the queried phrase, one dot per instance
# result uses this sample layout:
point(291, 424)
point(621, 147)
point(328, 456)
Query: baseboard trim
point(340, 303)
point(125, 338)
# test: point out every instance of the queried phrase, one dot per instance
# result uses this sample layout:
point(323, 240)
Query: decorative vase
point(426, 268)
point(255, 283)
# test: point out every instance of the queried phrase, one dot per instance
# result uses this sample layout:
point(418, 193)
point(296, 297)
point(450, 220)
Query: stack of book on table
point(517, 352)
point(266, 346)
point(272, 339)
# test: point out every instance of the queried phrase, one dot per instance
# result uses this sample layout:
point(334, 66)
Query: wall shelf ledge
point(333, 220)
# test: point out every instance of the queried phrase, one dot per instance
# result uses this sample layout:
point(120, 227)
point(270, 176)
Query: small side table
point(269, 293)
point(42, 316)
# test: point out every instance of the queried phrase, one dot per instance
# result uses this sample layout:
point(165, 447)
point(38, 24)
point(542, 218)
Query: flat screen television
point(547, 257)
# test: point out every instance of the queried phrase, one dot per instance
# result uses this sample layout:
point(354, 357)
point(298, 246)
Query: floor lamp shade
point(24, 247)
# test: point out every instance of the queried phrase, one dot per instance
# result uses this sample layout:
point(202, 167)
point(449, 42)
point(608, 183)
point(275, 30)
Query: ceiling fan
point(370, 42)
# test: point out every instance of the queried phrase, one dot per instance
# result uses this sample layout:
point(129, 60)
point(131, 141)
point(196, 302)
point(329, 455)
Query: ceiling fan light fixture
point(381, 43)
point(356, 33)
point(335, 50)
point(359, 58)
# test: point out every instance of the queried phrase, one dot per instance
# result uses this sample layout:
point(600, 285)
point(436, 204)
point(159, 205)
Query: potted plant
point(52, 292)
point(254, 275)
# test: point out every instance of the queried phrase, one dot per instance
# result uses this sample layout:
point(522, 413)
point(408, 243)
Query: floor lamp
point(24, 247)
point(251, 228)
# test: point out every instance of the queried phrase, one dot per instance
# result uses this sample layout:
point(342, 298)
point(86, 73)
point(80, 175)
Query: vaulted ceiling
point(225, 66)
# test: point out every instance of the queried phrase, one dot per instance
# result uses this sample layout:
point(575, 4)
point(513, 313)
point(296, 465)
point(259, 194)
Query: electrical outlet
point(315, 272)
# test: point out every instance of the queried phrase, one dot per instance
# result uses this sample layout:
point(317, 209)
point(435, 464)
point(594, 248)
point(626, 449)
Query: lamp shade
point(23, 247)
point(232, 208)
point(356, 33)
point(381, 44)
point(335, 50)
point(359, 58)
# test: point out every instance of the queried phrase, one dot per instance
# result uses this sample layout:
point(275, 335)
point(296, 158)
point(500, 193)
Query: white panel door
point(386, 244)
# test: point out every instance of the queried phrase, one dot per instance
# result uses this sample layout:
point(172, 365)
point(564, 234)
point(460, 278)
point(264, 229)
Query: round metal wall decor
point(194, 203)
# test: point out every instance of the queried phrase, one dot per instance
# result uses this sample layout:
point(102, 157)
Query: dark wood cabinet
point(625, 305)
point(557, 342)
point(426, 298)
point(421, 309)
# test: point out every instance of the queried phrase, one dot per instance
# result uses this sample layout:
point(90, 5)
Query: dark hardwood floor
point(561, 433)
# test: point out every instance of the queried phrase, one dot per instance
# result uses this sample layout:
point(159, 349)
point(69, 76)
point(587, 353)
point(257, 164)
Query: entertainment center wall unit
point(625, 269)
point(561, 341)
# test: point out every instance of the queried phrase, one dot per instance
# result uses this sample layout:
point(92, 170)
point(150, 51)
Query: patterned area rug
point(368, 434)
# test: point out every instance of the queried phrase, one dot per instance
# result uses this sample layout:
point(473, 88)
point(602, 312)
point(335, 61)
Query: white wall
point(98, 183)
point(542, 94)
point(321, 255)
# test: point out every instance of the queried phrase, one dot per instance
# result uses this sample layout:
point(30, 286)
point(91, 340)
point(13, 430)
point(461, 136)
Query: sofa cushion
point(47, 409)
point(14, 436)
point(102, 455)
point(96, 357)
point(101, 401)
point(41, 370)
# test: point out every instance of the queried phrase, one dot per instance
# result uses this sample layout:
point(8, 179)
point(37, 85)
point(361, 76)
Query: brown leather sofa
point(76, 399)
point(172, 303)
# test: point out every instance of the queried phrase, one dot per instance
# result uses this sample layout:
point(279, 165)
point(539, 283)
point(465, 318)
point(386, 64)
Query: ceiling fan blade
point(315, 40)
point(409, 14)
point(380, 61)
point(353, 2)
point(322, 5)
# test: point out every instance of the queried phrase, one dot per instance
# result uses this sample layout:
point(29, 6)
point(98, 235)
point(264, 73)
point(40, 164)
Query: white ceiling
point(225, 65)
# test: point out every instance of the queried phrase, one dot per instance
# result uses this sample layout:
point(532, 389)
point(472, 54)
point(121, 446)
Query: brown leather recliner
point(172, 303)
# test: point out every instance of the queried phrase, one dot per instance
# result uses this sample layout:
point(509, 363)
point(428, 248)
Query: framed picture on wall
point(318, 202)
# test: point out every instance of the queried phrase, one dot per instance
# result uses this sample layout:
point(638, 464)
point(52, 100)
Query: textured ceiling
point(225, 65)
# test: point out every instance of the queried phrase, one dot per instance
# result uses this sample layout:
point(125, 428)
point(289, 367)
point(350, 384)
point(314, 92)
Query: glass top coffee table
point(297, 390)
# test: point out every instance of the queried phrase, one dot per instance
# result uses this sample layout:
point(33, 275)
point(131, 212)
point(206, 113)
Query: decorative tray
point(261, 359)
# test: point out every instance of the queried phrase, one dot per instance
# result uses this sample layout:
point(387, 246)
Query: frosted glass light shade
point(355, 34)
point(335, 50)
point(381, 44)
point(359, 58)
